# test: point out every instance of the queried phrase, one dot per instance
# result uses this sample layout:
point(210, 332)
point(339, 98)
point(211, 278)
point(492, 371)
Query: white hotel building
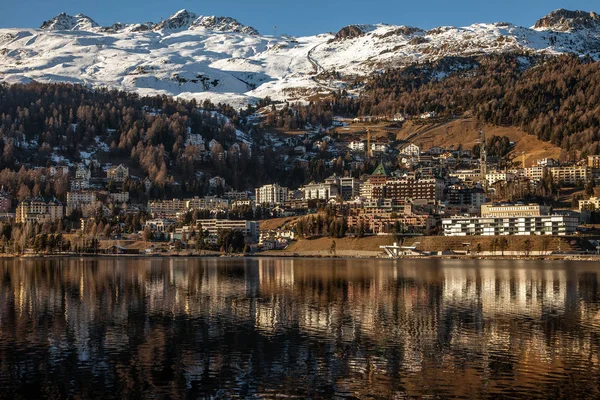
point(499, 220)
point(271, 194)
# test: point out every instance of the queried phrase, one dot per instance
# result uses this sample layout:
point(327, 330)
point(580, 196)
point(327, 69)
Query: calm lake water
point(298, 328)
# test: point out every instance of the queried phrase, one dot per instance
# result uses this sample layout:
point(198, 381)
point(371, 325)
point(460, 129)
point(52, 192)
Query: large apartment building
point(498, 220)
point(570, 175)
point(429, 190)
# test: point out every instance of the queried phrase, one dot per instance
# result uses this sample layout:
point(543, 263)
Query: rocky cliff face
point(564, 21)
point(223, 24)
point(64, 22)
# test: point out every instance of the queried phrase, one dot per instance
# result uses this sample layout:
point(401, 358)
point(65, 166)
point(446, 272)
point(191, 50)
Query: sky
point(297, 18)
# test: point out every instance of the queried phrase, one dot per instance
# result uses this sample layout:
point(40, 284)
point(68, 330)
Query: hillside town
point(411, 192)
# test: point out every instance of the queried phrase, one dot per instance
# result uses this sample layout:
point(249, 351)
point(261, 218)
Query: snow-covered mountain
point(202, 57)
point(64, 22)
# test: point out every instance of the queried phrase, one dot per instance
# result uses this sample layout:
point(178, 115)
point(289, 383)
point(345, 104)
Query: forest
point(43, 124)
point(556, 98)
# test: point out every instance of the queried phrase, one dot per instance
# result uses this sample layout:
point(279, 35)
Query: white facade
point(498, 176)
point(557, 225)
point(411, 150)
point(357, 146)
point(513, 210)
point(213, 226)
point(469, 175)
point(271, 194)
point(159, 224)
point(323, 191)
point(379, 147)
point(591, 204)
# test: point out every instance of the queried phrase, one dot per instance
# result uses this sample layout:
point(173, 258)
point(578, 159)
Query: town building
point(349, 187)
point(463, 195)
point(511, 219)
point(428, 190)
point(83, 172)
point(411, 150)
point(558, 225)
point(120, 197)
point(513, 210)
point(322, 191)
point(570, 175)
point(357, 146)
point(534, 173)
point(62, 169)
point(167, 208)
point(468, 175)
point(160, 225)
point(117, 174)
point(592, 204)
point(272, 194)
point(84, 201)
point(593, 161)
point(235, 195)
point(206, 203)
point(213, 226)
point(5, 201)
point(37, 209)
point(492, 177)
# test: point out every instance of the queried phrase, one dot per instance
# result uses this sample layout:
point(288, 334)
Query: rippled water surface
point(298, 328)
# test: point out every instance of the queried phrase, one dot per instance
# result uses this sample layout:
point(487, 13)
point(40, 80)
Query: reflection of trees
point(259, 327)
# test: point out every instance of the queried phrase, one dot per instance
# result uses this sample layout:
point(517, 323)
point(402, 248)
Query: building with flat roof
point(513, 210)
point(272, 194)
point(250, 229)
point(557, 225)
point(511, 219)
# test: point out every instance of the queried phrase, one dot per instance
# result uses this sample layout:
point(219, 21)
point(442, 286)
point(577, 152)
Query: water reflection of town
point(260, 327)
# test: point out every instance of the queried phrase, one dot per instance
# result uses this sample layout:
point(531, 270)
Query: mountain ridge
point(217, 58)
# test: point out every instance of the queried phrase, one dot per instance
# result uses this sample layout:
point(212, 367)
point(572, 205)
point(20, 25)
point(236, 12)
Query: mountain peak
point(562, 20)
point(180, 20)
point(65, 22)
point(223, 24)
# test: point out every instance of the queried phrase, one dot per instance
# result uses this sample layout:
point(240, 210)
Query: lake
point(298, 328)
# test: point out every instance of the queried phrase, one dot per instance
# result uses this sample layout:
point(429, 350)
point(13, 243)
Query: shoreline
point(284, 254)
